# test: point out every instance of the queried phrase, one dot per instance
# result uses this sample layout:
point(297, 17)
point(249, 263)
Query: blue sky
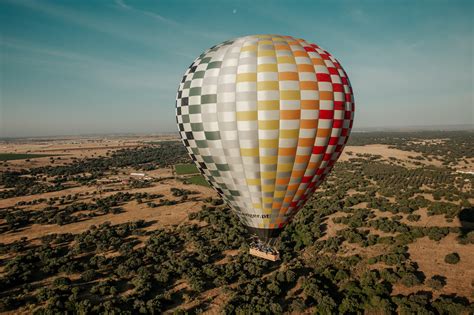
point(81, 67)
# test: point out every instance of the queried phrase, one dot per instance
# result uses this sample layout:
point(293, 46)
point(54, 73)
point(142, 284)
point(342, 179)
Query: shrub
point(413, 217)
point(452, 258)
point(410, 280)
point(436, 282)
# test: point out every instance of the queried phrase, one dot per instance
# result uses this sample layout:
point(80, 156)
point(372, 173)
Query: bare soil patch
point(386, 152)
point(331, 227)
point(431, 221)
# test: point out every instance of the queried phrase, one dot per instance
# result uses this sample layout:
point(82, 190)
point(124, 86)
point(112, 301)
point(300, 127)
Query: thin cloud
point(181, 27)
point(115, 29)
point(104, 71)
point(123, 5)
point(86, 21)
point(22, 45)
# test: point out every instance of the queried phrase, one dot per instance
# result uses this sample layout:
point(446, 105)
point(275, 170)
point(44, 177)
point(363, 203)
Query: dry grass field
point(80, 148)
point(165, 216)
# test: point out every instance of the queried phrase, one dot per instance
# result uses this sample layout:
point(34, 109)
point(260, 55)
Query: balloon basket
point(265, 251)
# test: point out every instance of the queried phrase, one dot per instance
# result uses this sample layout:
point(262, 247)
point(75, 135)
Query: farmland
point(184, 169)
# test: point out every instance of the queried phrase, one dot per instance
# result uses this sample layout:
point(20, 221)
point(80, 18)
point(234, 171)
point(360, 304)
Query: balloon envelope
point(264, 118)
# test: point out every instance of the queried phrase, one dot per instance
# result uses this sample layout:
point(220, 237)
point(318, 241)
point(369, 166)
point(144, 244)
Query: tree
point(297, 305)
point(88, 275)
point(274, 288)
point(290, 276)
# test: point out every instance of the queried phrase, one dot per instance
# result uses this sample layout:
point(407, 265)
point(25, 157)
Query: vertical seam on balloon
point(285, 39)
point(215, 186)
point(188, 148)
point(264, 165)
point(258, 136)
point(333, 120)
point(176, 110)
point(272, 219)
point(237, 129)
point(220, 136)
point(238, 136)
point(279, 129)
point(321, 177)
point(294, 210)
point(279, 133)
point(315, 133)
point(299, 128)
point(229, 49)
point(350, 110)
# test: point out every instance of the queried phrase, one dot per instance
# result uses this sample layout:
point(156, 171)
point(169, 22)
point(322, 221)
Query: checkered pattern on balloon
point(265, 118)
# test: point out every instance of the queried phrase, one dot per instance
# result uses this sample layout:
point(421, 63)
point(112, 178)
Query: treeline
point(142, 158)
point(21, 184)
point(51, 178)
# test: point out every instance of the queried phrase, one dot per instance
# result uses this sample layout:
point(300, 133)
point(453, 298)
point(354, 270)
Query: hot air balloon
point(264, 118)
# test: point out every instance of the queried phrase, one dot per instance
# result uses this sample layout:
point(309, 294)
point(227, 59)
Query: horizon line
point(419, 128)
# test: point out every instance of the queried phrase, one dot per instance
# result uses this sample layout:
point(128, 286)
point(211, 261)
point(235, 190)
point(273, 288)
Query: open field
point(184, 169)
point(125, 224)
point(387, 153)
point(71, 148)
point(198, 180)
point(164, 216)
